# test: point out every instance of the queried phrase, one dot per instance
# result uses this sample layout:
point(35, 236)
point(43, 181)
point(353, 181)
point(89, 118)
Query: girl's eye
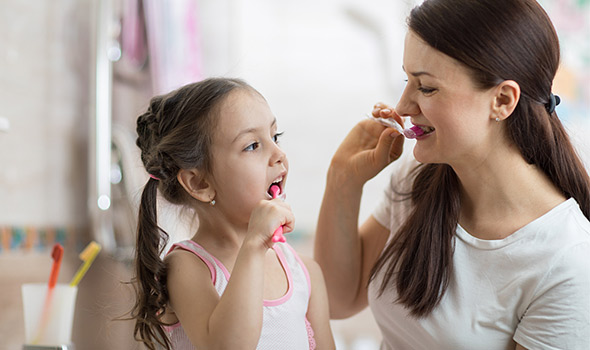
point(276, 137)
point(252, 147)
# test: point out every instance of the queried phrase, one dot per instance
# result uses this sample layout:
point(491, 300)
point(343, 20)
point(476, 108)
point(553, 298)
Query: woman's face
point(441, 96)
point(247, 159)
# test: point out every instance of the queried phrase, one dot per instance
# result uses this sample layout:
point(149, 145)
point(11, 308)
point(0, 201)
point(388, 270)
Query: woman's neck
point(502, 194)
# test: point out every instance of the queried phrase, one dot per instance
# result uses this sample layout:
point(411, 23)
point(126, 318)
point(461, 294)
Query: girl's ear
point(196, 185)
point(505, 99)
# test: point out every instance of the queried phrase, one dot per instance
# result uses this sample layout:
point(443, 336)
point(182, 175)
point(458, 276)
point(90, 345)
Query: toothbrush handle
point(277, 236)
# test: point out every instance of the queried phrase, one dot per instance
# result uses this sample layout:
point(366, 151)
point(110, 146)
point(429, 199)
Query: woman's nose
point(406, 106)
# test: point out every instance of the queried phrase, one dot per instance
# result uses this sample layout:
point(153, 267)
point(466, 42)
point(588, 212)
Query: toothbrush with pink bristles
point(277, 236)
point(410, 133)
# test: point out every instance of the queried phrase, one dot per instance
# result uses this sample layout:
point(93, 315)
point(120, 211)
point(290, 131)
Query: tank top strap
point(219, 274)
point(294, 261)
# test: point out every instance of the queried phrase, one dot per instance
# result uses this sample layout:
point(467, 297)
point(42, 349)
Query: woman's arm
point(317, 311)
point(344, 252)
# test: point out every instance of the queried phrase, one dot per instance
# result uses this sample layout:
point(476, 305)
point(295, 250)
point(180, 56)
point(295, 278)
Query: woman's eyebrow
point(419, 73)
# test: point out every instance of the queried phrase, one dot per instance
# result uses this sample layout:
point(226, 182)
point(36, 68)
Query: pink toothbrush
point(277, 236)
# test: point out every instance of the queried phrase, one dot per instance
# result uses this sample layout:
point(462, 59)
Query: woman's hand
point(368, 148)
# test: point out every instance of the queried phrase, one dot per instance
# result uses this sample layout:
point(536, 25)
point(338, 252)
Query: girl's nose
point(278, 156)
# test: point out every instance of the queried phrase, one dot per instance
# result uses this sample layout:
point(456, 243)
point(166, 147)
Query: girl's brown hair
point(496, 40)
point(174, 133)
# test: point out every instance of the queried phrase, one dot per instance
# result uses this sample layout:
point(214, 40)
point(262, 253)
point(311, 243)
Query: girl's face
point(441, 95)
point(247, 158)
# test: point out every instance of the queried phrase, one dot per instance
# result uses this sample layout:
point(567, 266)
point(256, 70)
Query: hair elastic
point(153, 177)
point(554, 100)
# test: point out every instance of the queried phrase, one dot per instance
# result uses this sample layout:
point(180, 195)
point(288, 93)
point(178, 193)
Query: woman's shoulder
point(567, 235)
point(569, 221)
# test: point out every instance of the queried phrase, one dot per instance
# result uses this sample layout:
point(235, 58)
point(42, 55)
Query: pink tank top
point(284, 325)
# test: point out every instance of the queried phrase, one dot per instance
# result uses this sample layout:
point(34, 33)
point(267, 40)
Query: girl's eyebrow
point(252, 130)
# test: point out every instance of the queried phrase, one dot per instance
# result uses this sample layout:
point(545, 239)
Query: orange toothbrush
point(57, 254)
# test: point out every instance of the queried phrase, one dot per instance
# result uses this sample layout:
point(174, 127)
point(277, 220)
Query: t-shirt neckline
point(517, 235)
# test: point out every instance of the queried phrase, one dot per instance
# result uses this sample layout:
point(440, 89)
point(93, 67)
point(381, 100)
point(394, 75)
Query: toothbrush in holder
point(87, 256)
point(277, 236)
point(56, 254)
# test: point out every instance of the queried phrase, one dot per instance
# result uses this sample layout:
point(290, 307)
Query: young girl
point(213, 146)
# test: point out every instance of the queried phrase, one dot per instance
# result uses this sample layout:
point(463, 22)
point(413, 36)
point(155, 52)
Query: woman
point(484, 242)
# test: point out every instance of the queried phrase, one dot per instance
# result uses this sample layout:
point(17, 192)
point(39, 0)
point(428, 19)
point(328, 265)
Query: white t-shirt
point(532, 287)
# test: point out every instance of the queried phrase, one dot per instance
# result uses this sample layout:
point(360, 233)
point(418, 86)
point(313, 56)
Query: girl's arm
point(317, 311)
point(234, 320)
point(346, 253)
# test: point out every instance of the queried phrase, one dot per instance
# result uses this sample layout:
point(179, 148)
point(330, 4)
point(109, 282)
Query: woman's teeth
point(427, 129)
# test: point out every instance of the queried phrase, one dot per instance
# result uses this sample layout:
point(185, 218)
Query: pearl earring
point(497, 119)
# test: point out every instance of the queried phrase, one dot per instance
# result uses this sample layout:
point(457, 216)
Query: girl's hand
point(266, 217)
point(368, 148)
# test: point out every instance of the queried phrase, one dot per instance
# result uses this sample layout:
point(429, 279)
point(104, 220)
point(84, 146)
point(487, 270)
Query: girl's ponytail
point(150, 271)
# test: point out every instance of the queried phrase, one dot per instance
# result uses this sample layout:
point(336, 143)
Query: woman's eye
point(426, 90)
point(253, 146)
point(276, 137)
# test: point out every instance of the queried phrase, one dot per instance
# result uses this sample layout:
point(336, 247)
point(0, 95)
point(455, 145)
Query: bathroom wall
point(321, 66)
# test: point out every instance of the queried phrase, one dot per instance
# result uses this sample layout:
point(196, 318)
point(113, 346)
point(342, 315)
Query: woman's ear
point(196, 185)
point(506, 97)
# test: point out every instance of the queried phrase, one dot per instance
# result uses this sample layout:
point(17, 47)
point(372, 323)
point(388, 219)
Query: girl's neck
point(503, 194)
point(219, 237)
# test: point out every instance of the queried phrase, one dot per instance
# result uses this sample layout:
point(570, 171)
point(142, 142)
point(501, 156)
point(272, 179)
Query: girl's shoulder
point(188, 257)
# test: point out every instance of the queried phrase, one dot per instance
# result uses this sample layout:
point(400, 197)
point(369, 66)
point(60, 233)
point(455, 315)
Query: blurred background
point(75, 74)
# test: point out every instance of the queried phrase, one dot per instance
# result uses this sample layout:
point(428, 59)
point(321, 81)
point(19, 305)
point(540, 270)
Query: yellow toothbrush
point(87, 255)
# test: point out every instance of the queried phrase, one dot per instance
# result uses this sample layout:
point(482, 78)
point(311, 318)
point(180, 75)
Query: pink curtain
point(171, 43)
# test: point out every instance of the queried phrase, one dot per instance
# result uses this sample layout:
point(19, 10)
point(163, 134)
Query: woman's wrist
point(341, 178)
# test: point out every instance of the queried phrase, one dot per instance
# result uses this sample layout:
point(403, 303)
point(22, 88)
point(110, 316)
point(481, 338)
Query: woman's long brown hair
point(174, 133)
point(496, 40)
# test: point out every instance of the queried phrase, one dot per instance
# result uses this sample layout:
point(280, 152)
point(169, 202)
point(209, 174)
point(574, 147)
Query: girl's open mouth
point(278, 183)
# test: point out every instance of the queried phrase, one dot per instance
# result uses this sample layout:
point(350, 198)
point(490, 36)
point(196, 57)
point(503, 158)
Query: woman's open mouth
point(418, 131)
point(426, 129)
